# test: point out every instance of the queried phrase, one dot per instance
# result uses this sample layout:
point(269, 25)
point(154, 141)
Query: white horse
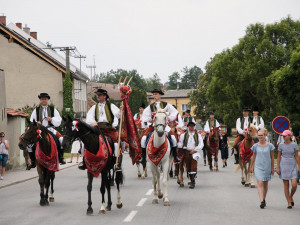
point(165, 163)
point(144, 173)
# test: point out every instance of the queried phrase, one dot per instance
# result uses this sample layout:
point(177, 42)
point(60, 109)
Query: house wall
point(178, 103)
point(80, 96)
point(27, 75)
point(3, 115)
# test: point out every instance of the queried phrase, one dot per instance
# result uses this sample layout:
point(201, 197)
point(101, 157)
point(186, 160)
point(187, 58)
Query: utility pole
point(80, 57)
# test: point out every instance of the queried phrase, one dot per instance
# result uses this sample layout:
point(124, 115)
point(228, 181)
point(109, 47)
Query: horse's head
point(252, 131)
point(214, 134)
point(70, 131)
point(30, 136)
point(160, 122)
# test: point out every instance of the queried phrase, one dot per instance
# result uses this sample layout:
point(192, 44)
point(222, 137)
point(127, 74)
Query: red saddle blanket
point(156, 154)
point(96, 163)
point(245, 154)
point(49, 162)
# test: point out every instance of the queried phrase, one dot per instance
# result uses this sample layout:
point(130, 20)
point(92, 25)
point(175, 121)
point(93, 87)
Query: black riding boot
point(32, 159)
point(236, 157)
point(192, 177)
point(143, 159)
point(82, 165)
point(61, 156)
point(174, 152)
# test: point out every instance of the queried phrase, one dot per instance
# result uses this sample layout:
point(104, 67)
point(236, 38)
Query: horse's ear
point(34, 122)
point(28, 121)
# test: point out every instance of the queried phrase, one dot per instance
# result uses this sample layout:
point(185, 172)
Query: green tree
point(190, 77)
point(136, 99)
point(174, 79)
point(68, 97)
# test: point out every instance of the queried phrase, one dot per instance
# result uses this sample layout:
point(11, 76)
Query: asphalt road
point(218, 198)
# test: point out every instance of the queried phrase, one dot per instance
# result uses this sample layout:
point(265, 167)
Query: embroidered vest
point(188, 119)
point(39, 113)
point(212, 124)
point(257, 120)
point(186, 138)
point(109, 115)
point(242, 119)
point(162, 106)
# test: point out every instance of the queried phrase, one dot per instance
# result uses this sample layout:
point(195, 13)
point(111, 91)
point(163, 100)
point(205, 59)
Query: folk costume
point(188, 119)
point(242, 124)
point(40, 114)
point(258, 120)
point(148, 114)
point(191, 141)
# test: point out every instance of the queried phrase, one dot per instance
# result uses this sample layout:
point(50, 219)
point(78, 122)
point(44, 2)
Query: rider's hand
point(39, 122)
point(192, 152)
point(48, 119)
point(94, 124)
point(151, 120)
point(121, 107)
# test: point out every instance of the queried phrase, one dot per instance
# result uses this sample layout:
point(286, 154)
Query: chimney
point(26, 29)
point(3, 20)
point(34, 35)
point(19, 25)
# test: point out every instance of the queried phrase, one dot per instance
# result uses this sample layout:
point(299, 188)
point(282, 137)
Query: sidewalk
point(20, 174)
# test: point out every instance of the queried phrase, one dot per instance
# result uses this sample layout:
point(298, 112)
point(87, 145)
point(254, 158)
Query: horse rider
point(257, 120)
point(192, 143)
point(104, 116)
point(187, 117)
point(242, 128)
point(148, 117)
point(49, 117)
point(210, 123)
point(138, 116)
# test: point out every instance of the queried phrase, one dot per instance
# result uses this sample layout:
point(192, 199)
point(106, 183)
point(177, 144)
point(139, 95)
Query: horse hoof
point(243, 182)
point(146, 175)
point(166, 203)
point(181, 185)
point(89, 211)
point(47, 202)
point(252, 186)
point(108, 208)
point(217, 170)
point(160, 196)
point(102, 211)
point(143, 177)
point(139, 176)
point(42, 202)
point(189, 183)
point(155, 201)
point(178, 182)
point(119, 206)
point(246, 185)
point(51, 199)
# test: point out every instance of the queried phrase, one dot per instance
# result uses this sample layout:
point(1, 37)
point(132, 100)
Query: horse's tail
point(238, 167)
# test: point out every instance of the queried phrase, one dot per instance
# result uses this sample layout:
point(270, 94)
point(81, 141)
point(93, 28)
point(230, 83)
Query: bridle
point(160, 124)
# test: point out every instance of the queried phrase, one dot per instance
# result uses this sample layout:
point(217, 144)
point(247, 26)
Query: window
point(184, 107)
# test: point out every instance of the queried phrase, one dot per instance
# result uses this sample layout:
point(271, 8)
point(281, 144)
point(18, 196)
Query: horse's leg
point(171, 171)
point(107, 185)
point(51, 198)
point(154, 170)
point(251, 176)
point(242, 171)
point(145, 174)
point(138, 169)
point(209, 157)
point(216, 160)
point(166, 169)
point(89, 210)
point(160, 194)
point(119, 178)
point(181, 167)
point(42, 185)
point(246, 174)
point(47, 185)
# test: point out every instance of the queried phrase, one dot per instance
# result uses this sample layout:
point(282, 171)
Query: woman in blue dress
point(287, 160)
point(263, 164)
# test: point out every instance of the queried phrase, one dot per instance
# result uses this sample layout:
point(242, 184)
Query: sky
point(151, 36)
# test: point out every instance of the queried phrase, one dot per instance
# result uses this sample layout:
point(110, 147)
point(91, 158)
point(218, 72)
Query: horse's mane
point(94, 130)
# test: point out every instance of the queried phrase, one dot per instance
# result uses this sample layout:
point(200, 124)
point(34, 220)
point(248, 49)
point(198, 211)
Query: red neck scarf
point(156, 154)
point(245, 154)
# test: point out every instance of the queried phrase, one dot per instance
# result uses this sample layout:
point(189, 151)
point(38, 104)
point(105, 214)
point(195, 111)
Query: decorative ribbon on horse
point(129, 131)
point(96, 163)
point(156, 154)
point(245, 154)
point(49, 162)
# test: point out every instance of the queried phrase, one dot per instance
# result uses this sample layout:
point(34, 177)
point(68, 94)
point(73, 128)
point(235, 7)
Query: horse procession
point(158, 136)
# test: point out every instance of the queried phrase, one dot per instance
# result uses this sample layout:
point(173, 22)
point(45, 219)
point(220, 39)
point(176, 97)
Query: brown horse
point(141, 132)
point(212, 147)
point(37, 133)
point(245, 156)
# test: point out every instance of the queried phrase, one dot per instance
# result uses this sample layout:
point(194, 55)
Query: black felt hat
point(142, 106)
point(43, 95)
point(191, 124)
point(211, 113)
point(188, 111)
point(102, 91)
point(157, 91)
point(255, 109)
point(245, 108)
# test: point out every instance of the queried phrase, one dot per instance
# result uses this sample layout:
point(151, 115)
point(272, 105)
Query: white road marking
point(130, 216)
point(149, 192)
point(141, 202)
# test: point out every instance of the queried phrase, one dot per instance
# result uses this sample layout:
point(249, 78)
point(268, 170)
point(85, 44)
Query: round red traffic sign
point(280, 124)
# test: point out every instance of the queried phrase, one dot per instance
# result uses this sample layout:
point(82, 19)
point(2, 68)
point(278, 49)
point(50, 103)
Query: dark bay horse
point(212, 147)
point(90, 137)
point(37, 133)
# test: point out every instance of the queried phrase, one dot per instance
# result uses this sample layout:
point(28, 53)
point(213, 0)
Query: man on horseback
point(210, 123)
point(257, 120)
point(104, 116)
point(241, 127)
point(148, 118)
point(138, 117)
point(187, 117)
point(49, 117)
point(192, 143)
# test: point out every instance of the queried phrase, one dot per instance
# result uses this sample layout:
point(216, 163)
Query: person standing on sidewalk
point(262, 164)
point(224, 144)
point(287, 161)
point(4, 146)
